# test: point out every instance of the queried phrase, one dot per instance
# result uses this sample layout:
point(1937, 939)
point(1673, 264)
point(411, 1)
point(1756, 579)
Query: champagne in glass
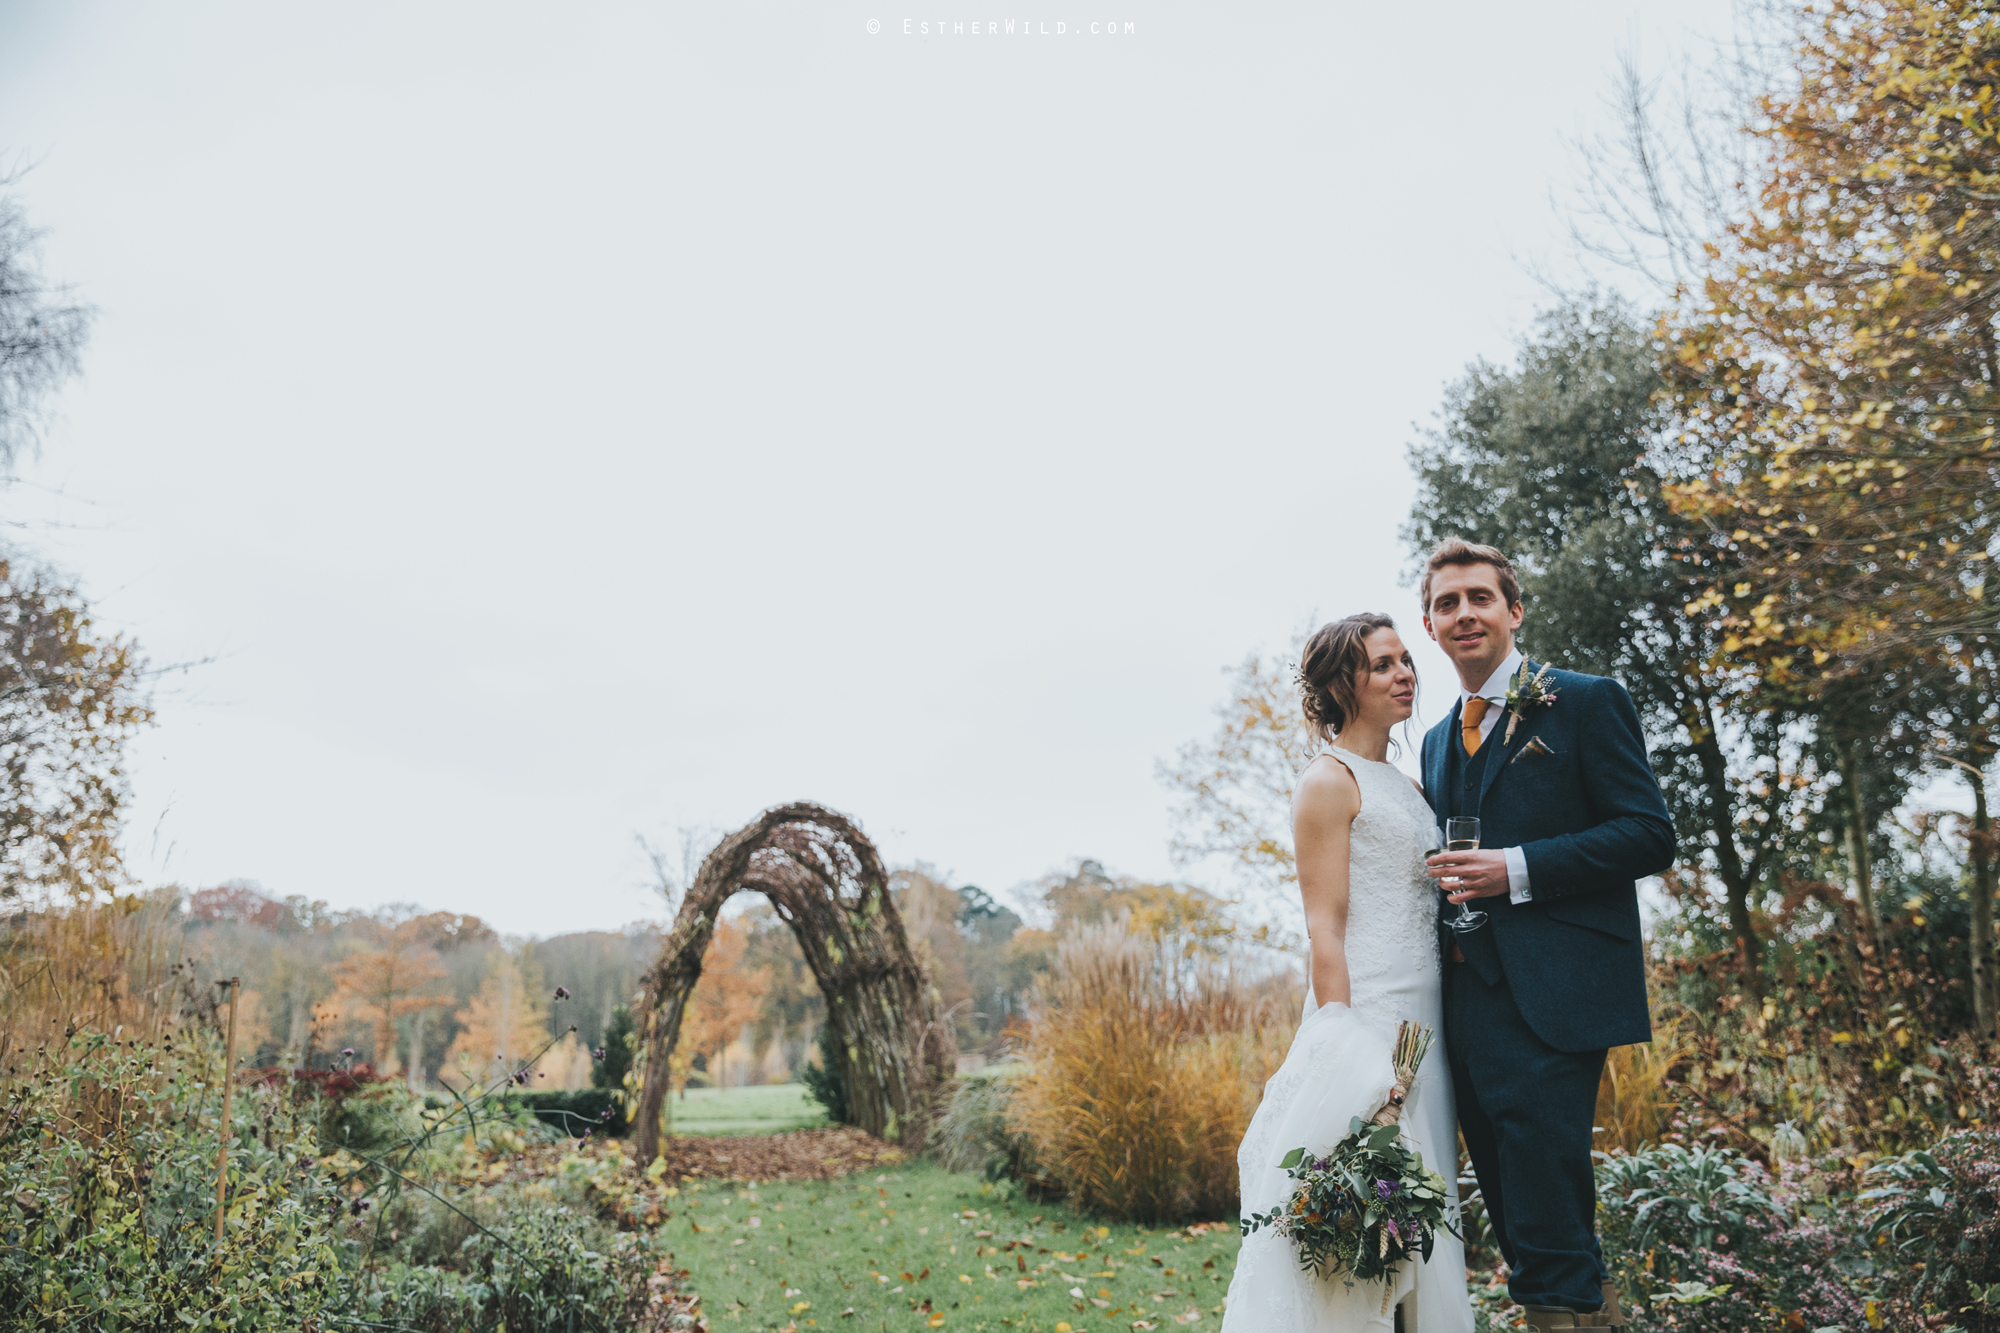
point(1462, 835)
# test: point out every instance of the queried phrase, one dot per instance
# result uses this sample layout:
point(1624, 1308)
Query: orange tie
point(1470, 717)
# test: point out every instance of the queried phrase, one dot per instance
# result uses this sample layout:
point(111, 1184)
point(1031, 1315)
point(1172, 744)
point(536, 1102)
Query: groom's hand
point(1480, 874)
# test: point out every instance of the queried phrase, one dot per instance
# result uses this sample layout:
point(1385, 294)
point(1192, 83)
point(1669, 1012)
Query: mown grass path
point(777, 1108)
point(912, 1247)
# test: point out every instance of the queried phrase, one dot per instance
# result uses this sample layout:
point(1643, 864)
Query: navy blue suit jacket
point(1574, 791)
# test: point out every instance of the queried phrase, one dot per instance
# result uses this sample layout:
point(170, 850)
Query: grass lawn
point(772, 1109)
point(913, 1247)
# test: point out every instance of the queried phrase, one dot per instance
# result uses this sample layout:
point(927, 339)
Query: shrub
point(619, 1041)
point(107, 1196)
point(973, 1135)
point(825, 1081)
point(544, 1270)
point(1938, 1213)
point(583, 1111)
point(1684, 1198)
point(1144, 1064)
point(1862, 1044)
point(1704, 1239)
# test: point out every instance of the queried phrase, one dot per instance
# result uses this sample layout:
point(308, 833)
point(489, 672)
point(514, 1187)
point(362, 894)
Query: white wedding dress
point(1338, 1067)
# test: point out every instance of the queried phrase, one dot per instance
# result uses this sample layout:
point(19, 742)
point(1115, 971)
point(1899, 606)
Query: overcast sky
point(564, 422)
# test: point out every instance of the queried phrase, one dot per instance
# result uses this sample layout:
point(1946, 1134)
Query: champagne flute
point(1461, 834)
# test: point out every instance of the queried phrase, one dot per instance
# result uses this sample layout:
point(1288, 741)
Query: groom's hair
point(1458, 551)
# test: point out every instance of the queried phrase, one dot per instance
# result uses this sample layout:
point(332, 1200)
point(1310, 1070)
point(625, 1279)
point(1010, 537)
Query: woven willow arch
point(825, 879)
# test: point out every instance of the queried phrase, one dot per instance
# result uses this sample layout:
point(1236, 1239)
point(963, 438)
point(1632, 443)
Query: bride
point(1360, 830)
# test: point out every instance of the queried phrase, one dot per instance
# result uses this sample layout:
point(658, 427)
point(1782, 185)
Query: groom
point(1553, 765)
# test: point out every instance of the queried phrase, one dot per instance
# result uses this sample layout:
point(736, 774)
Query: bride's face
point(1385, 690)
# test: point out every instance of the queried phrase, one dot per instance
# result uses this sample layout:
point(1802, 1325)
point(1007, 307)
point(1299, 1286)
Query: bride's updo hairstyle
point(1332, 658)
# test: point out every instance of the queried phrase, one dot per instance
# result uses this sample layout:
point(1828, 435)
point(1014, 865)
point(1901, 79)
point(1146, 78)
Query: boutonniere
point(1524, 694)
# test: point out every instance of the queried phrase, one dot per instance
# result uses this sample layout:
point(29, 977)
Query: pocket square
point(1535, 745)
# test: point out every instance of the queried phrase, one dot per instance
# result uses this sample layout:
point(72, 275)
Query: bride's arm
point(1323, 811)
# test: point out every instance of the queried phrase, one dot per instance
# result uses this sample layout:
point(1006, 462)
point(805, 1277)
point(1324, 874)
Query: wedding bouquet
point(1370, 1203)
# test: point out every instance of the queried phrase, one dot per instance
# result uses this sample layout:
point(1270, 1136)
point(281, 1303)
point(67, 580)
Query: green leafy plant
point(1704, 1240)
point(1938, 1212)
point(108, 1192)
point(1687, 1197)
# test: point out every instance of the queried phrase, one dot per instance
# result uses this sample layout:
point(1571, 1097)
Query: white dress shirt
point(1494, 691)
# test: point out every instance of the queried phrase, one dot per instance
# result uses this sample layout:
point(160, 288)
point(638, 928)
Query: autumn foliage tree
point(1558, 460)
point(70, 695)
point(1234, 790)
point(381, 986)
point(727, 997)
point(1836, 370)
point(506, 1022)
point(1834, 377)
point(70, 698)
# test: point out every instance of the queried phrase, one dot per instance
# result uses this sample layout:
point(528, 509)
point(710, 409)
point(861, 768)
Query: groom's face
point(1471, 620)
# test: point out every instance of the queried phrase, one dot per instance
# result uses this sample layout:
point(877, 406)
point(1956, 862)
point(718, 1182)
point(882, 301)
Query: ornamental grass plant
point(112, 966)
point(1634, 1101)
point(1145, 1061)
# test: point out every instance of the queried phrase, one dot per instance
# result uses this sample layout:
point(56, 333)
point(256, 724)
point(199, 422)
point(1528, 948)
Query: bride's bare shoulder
point(1326, 787)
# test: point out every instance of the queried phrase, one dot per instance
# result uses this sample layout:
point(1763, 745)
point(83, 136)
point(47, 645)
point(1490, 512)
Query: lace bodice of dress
point(1391, 902)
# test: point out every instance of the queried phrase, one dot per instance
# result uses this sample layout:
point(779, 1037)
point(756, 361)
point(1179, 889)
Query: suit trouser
point(1525, 1109)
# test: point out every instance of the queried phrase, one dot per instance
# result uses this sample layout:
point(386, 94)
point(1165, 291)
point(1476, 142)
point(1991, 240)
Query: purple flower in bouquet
point(1385, 1190)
